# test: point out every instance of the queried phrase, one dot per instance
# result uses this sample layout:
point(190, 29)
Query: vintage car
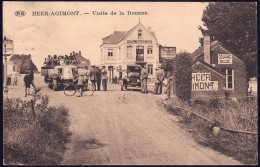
point(132, 78)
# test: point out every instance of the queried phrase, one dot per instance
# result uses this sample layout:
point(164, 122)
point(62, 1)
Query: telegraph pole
point(5, 42)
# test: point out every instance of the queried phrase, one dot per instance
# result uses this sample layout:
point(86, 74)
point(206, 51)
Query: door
point(110, 73)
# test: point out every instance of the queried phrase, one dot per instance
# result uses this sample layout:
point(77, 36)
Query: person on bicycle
point(78, 80)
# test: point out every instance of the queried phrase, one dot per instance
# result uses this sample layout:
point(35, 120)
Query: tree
point(183, 76)
point(234, 24)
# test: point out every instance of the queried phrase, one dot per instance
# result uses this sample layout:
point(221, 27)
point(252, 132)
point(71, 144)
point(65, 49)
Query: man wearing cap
point(104, 78)
point(157, 81)
point(162, 78)
point(93, 77)
point(144, 76)
point(31, 77)
point(98, 72)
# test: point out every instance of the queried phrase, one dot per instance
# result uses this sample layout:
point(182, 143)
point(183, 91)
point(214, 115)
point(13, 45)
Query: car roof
point(134, 65)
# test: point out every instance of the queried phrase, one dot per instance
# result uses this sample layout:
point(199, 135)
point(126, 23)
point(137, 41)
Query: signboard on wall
point(168, 52)
point(224, 58)
point(139, 41)
point(8, 46)
point(202, 82)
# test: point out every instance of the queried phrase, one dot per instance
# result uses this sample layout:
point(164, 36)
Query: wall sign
point(8, 47)
point(202, 82)
point(139, 41)
point(224, 58)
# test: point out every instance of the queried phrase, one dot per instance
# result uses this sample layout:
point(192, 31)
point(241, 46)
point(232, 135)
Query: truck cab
point(132, 78)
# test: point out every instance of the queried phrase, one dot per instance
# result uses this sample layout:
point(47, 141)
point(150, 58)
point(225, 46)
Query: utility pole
point(5, 70)
point(5, 42)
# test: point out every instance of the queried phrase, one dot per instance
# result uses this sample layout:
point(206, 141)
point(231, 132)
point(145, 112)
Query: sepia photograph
point(129, 83)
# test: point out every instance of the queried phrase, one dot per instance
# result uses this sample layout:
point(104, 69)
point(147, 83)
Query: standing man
point(144, 76)
point(169, 83)
point(14, 77)
point(93, 77)
point(86, 76)
point(162, 78)
point(104, 78)
point(157, 81)
point(31, 77)
point(98, 71)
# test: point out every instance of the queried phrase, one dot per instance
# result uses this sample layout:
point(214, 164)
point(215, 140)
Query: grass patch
point(34, 139)
point(233, 115)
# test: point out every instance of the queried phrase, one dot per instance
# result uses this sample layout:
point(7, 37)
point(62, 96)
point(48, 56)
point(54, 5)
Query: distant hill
point(23, 62)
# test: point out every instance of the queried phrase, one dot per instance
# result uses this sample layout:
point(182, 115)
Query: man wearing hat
point(144, 76)
point(93, 77)
point(98, 73)
point(162, 78)
point(157, 81)
point(104, 78)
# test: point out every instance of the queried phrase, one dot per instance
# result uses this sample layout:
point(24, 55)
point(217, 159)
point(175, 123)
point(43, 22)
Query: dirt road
point(127, 128)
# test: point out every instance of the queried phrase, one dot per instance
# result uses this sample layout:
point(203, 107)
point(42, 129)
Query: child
point(27, 84)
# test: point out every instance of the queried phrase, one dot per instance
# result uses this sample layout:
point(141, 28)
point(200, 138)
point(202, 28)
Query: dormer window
point(140, 34)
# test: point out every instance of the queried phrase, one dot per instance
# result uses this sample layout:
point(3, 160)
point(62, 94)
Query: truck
point(58, 76)
point(132, 78)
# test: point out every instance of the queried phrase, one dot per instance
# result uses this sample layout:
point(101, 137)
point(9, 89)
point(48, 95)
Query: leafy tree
point(183, 76)
point(235, 25)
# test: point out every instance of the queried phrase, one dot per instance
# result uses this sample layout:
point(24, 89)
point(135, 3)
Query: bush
point(229, 114)
point(183, 76)
point(34, 140)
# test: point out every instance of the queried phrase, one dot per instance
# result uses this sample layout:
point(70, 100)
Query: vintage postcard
point(129, 83)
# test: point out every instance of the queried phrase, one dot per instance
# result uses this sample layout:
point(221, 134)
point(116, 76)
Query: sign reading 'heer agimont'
point(202, 82)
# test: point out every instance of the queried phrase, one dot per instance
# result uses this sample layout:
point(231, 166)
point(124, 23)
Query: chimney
point(73, 53)
point(70, 54)
point(206, 48)
point(149, 29)
point(80, 53)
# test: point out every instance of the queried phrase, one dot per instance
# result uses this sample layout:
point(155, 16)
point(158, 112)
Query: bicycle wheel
point(88, 90)
point(70, 90)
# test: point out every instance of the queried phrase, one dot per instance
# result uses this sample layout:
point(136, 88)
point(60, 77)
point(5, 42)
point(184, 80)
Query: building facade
point(217, 72)
point(136, 46)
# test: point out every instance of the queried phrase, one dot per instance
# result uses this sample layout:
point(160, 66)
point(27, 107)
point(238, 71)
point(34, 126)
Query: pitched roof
point(118, 36)
point(83, 61)
point(200, 50)
point(115, 37)
point(209, 66)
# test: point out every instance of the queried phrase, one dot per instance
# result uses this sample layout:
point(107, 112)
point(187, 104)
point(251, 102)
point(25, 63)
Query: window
point(140, 34)
point(149, 50)
point(60, 70)
point(150, 69)
point(110, 52)
point(129, 51)
point(229, 79)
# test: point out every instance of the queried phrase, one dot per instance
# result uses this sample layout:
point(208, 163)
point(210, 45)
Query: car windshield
point(133, 69)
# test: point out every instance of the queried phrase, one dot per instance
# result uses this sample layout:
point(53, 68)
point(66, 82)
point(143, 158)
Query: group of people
point(60, 60)
point(95, 75)
point(159, 77)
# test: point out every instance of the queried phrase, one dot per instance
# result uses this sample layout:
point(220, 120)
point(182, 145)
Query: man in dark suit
point(144, 76)
point(93, 77)
point(98, 72)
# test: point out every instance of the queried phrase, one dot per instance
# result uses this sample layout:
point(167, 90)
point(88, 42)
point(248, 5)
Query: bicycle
point(71, 89)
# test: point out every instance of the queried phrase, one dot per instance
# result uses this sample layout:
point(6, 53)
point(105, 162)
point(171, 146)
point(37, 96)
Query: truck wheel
point(55, 84)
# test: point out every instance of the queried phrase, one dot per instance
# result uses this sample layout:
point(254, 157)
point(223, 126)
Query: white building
point(136, 46)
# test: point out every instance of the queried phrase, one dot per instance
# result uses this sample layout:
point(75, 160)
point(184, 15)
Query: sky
point(175, 24)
